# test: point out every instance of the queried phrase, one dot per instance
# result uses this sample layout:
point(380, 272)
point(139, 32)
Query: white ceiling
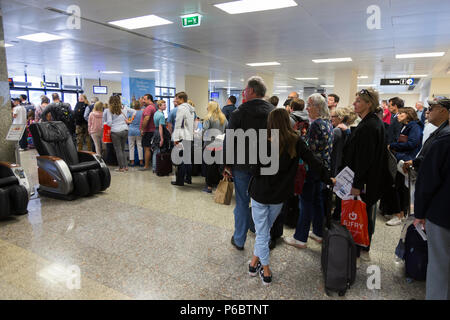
point(223, 44)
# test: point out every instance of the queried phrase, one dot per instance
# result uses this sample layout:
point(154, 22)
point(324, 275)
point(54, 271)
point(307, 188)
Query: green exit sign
point(191, 20)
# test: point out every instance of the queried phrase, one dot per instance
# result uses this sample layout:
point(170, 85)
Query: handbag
point(300, 177)
point(224, 191)
point(354, 218)
point(106, 134)
point(403, 138)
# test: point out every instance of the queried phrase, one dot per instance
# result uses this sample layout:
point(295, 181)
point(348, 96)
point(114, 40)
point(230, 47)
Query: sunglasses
point(365, 91)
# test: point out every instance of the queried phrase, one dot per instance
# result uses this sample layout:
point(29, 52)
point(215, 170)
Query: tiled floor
point(146, 239)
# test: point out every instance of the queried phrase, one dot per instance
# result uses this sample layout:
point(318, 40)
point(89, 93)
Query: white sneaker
point(294, 242)
point(388, 216)
point(365, 256)
point(395, 221)
point(315, 237)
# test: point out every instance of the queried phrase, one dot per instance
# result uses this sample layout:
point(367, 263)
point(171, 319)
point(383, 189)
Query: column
point(6, 147)
point(345, 86)
point(197, 91)
point(440, 87)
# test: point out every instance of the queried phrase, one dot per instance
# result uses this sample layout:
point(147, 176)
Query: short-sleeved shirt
point(149, 111)
point(159, 119)
point(21, 115)
point(173, 116)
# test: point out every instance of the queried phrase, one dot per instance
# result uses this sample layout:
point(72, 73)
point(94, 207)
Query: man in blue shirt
point(172, 117)
point(160, 122)
point(230, 107)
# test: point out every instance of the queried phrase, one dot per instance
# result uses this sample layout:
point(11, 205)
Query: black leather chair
point(64, 172)
point(14, 196)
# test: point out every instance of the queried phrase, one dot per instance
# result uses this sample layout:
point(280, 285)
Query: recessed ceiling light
point(306, 78)
point(414, 76)
point(141, 22)
point(111, 72)
point(327, 86)
point(146, 70)
point(263, 64)
point(5, 45)
point(419, 55)
point(41, 37)
point(367, 85)
point(244, 6)
point(213, 81)
point(332, 60)
point(363, 77)
point(284, 86)
point(242, 80)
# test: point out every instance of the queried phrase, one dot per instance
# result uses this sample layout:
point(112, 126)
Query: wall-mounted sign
point(100, 90)
point(15, 132)
point(191, 20)
point(49, 84)
point(397, 82)
point(22, 84)
point(71, 87)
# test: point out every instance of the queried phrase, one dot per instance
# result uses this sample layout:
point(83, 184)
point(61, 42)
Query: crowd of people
point(316, 132)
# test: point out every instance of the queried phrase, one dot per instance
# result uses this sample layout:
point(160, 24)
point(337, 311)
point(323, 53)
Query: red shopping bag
point(354, 218)
point(106, 134)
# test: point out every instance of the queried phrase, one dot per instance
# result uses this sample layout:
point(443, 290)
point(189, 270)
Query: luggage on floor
point(416, 255)
point(338, 254)
point(163, 164)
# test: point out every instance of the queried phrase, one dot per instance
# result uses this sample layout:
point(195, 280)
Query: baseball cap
point(442, 101)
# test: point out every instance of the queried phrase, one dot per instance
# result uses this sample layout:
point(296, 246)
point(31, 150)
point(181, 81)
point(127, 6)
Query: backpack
point(300, 125)
point(79, 114)
point(64, 114)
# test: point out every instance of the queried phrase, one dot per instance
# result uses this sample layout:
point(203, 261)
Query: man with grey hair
point(251, 115)
point(421, 111)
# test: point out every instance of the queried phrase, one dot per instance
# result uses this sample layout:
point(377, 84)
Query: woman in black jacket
point(366, 155)
point(268, 192)
point(81, 130)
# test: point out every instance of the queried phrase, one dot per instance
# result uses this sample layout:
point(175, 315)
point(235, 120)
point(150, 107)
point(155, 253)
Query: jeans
point(311, 209)
point(119, 140)
point(242, 213)
point(155, 152)
point(264, 216)
point(438, 276)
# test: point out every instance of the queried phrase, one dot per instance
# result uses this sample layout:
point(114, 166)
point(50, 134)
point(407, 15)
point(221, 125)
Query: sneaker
point(20, 149)
point(253, 271)
point(144, 169)
point(205, 189)
point(235, 245)
point(395, 221)
point(315, 237)
point(265, 280)
point(294, 242)
point(388, 216)
point(365, 256)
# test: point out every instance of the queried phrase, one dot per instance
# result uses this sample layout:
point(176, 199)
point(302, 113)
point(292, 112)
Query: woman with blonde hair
point(215, 124)
point(117, 120)
point(95, 126)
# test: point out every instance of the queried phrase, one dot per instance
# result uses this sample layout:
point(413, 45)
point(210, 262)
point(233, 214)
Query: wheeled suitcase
point(338, 254)
point(163, 164)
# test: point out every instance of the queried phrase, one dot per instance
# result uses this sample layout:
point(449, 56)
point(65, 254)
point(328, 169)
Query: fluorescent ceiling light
point(141, 22)
point(367, 85)
point(327, 86)
point(363, 77)
point(41, 37)
point(263, 64)
point(213, 81)
point(111, 72)
point(70, 74)
point(419, 55)
point(414, 76)
point(332, 60)
point(229, 87)
point(146, 70)
point(284, 86)
point(244, 6)
point(5, 45)
point(306, 78)
point(242, 80)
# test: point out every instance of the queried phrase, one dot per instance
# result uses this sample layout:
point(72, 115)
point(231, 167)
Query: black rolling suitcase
point(163, 164)
point(338, 254)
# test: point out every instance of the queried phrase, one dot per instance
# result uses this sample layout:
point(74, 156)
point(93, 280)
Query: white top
point(21, 115)
point(116, 122)
point(429, 129)
point(184, 123)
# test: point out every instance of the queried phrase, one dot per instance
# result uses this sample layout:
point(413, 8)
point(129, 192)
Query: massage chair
point(65, 173)
point(14, 190)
